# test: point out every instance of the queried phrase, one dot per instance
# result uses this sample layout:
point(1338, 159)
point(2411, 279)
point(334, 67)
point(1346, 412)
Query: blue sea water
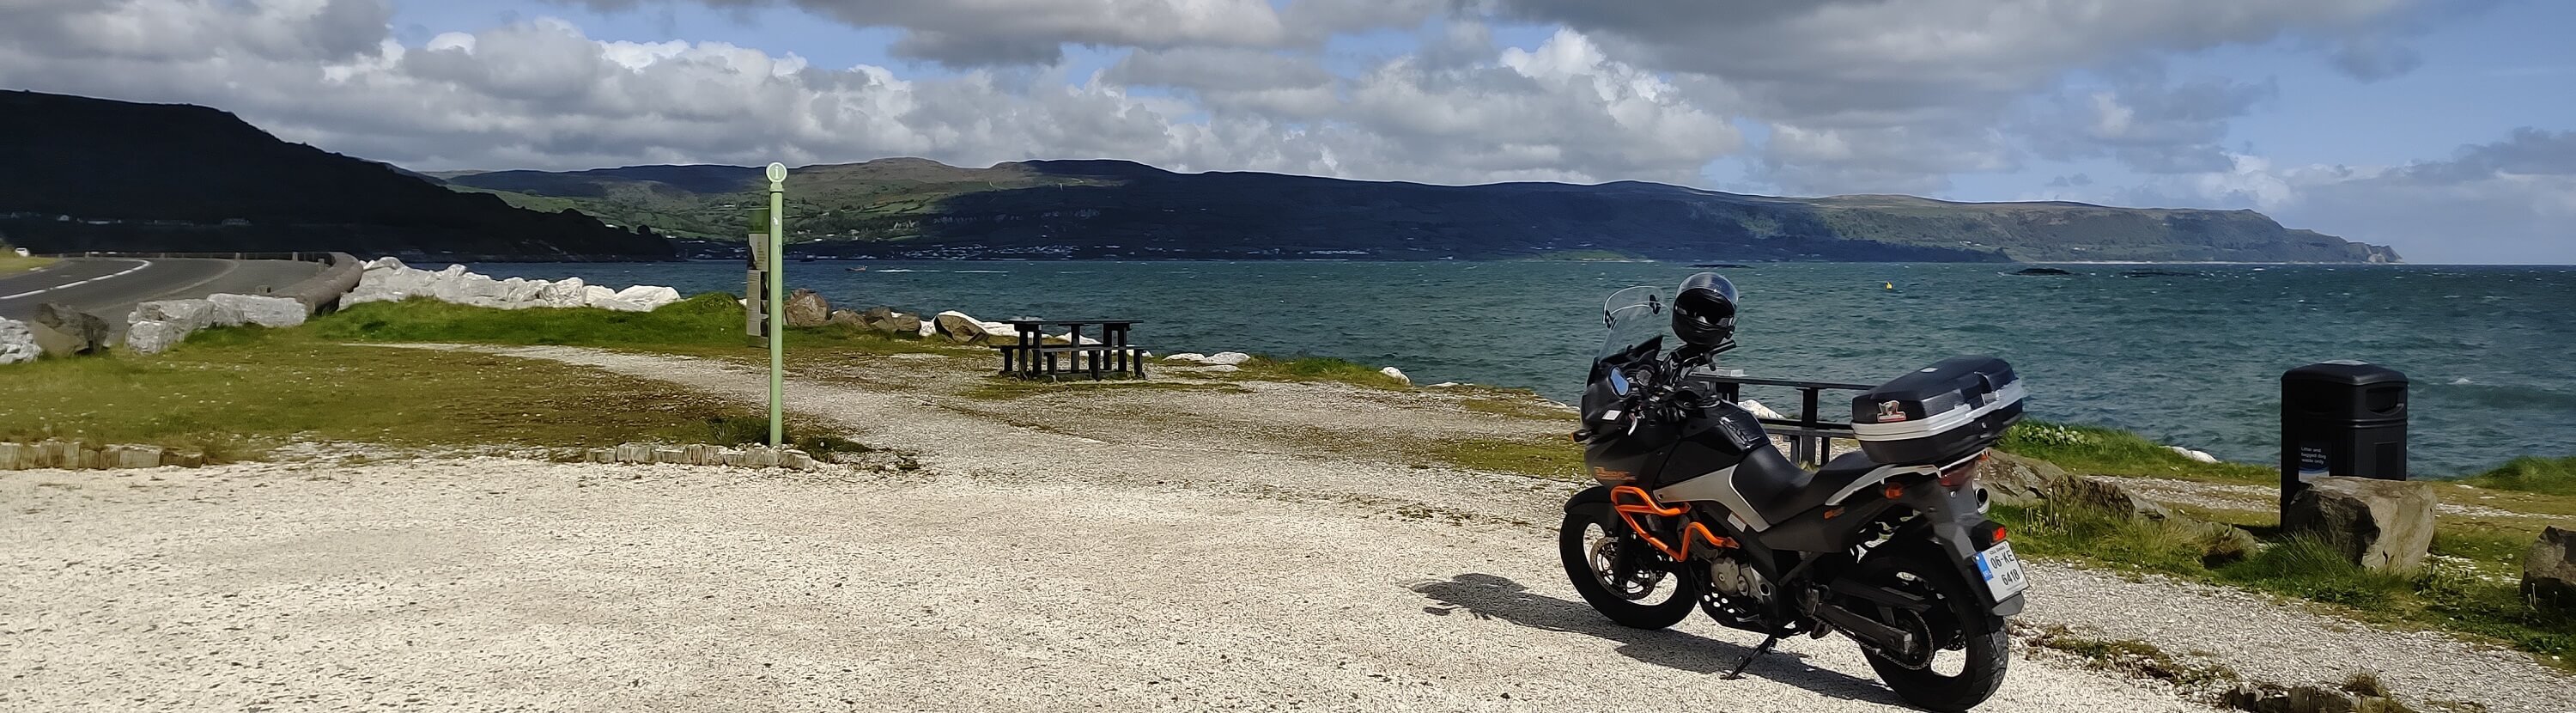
point(2191, 360)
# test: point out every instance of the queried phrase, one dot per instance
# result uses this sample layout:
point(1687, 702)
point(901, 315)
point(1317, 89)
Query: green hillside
point(909, 207)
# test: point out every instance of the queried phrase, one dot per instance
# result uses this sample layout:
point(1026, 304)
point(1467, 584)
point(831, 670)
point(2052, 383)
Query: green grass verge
point(708, 324)
point(10, 262)
point(1315, 368)
point(1558, 460)
point(2469, 587)
point(1004, 388)
point(235, 390)
point(2551, 476)
point(2107, 451)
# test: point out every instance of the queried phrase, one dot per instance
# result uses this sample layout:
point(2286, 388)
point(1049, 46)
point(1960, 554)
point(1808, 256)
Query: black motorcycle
point(1888, 545)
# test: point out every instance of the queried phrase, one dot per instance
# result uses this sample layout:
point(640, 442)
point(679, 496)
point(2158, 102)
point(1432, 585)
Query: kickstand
point(1758, 651)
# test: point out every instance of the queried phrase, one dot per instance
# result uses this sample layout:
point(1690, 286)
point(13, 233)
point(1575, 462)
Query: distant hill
point(909, 207)
point(91, 174)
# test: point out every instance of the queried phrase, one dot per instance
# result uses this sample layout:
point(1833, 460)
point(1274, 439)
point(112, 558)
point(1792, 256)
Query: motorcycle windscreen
point(1640, 321)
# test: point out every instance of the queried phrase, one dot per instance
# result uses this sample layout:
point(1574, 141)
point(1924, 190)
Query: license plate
point(2002, 571)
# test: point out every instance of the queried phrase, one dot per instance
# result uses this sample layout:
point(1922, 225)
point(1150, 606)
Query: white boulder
point(17, 342)
point(261, 310)
point(650, 296)
point(387, 279)
point(2192, 455)
point(1186, 356)
point(1396, 374)
point(1227, 358)
point(152, 336)
point(567, 292)
point(188, 315)
point(929, 327)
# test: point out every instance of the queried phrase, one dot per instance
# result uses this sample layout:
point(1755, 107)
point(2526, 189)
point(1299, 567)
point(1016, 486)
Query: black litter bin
point(2344, 418)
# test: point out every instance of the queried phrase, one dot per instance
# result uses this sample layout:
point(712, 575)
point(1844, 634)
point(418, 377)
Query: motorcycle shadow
point(1492, 597)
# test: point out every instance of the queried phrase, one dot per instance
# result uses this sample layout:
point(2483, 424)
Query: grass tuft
point(2134, 657)
point(2461, 590)
point(2533, 474)
point(2108, 451)
point(1316, 368)
point(1558, 460)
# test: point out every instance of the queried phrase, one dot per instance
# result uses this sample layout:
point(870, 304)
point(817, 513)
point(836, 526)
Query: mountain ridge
point(1112, 208)
point(87, 174)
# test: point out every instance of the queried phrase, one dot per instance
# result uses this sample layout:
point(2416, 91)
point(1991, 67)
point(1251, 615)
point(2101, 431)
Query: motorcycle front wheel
point(1619, 575)
point(1972, 650)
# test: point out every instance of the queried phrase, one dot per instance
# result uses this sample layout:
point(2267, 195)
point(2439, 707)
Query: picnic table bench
point(1031, 357)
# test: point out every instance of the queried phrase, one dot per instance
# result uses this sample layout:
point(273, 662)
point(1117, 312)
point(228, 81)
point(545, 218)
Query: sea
point(2189, 355)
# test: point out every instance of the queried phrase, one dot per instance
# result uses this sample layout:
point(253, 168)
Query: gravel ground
point(1029, 566)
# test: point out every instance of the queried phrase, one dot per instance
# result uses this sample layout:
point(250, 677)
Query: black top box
point(1939, 414)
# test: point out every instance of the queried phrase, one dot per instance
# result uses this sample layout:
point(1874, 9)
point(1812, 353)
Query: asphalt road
point(110, 287)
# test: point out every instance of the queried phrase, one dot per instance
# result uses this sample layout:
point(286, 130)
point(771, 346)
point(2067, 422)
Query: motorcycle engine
point(1732, 578)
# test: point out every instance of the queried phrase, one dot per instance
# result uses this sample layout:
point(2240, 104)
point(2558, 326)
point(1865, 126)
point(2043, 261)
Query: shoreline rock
point(389, 280)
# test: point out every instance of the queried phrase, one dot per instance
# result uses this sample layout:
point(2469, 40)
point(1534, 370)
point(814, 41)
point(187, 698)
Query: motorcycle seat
point(1780, 490)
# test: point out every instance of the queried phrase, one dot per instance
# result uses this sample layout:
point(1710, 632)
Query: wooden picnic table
point(1030, 357)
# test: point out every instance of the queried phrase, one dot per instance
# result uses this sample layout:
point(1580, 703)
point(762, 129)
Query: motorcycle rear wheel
point(1973, 639)
point(1590, 543)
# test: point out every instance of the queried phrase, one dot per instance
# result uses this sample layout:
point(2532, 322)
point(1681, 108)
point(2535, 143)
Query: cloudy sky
point(2444, 127)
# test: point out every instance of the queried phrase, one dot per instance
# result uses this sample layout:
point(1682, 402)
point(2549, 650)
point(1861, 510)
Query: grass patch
point(1561, 461)
point(10, 262)
point(2470, 585)
point(2107, 451)
point(707, 323)
point(2531, 474)
point(231, 390)
point(1524, 407)
point(1005, 388)
point(1315, 368)
point(754, 430)
point(2134, 657)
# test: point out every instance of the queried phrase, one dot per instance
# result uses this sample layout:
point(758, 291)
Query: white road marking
point(138, 265)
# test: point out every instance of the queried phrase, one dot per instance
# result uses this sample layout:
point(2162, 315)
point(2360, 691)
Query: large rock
point(1227, 358)
point(848, 319)
point(187, 315)
point(652, 297)
point(902, 323)
point(805, 308)
point(261, 310)
point(81, 332)
point(2378, 524)
point(17, 342)
point(152, 336)
point(2549, 570)
point(962, 328)
point(1396, 374)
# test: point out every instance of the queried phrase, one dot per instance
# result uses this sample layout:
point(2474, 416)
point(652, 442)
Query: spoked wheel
point(1968, 653)
point(1618, 575)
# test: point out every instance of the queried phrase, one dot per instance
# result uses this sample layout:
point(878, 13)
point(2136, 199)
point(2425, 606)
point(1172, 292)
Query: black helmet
point(1704, 312)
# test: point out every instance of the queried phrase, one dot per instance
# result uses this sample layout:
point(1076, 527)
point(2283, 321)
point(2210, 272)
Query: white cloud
point(2512, 200)
point(540, 94)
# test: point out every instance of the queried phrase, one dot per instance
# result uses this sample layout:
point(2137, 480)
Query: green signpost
point(777, 299)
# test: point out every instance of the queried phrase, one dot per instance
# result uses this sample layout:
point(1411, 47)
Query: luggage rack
point(1810, 439)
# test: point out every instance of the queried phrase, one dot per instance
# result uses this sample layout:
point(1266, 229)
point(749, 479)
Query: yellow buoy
point(1891, 285)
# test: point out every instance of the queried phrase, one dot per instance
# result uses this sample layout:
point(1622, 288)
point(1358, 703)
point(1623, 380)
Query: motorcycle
point(1696, 508)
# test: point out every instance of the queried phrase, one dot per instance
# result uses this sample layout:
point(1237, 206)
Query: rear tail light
point(1986, 534)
